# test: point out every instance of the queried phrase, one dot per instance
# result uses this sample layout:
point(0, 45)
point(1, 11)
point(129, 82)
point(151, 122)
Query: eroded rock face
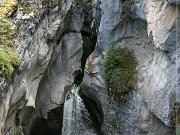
point(49, 40)
point(110, 12)
point(157, 64)
point(163, 35)
point(160, 85)
point(119, 115)
point(61, 74)
point(162, 20)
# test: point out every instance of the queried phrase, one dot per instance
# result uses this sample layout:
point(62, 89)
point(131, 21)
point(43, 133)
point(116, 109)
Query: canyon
point(51, 92)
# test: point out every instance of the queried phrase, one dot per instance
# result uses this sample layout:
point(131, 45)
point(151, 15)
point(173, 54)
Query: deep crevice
point(95, 111)
point(50, 126)
point(89, 43)
point(96, 114)
point(40, 127)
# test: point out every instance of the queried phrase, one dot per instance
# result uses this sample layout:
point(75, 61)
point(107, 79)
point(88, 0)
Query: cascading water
point(76, 119)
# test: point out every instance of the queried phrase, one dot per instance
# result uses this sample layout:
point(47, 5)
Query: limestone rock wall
point(152, 34)
point(50, 44)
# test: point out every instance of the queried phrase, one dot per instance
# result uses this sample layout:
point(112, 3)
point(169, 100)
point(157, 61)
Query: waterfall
point(76, 119)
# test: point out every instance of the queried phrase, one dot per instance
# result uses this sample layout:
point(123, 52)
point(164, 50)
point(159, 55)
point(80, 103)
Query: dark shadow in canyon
point(50, 126)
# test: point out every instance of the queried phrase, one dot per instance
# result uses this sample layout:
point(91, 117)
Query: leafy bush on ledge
point(119, 68)
point(9, 58)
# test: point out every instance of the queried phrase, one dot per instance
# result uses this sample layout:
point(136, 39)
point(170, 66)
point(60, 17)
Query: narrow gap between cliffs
point(76, 103)
point(89, 43)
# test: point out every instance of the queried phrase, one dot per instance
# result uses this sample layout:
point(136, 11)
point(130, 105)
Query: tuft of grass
point(86, 3)
point(8, 8)
point(81, 2)
point(119, 68)
point(9, 58)
point(7, 31)
point(6, 68)
point(176, 117)
point(51, 3)
point(90, 65)
point(14, 57)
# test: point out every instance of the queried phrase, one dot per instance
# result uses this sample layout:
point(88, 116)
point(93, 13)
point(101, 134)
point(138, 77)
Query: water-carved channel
point(76, 118)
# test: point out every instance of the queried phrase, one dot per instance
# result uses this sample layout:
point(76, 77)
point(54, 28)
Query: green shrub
point(7, 30)
point(9, 58)
point(119, 68)
point(6, 67)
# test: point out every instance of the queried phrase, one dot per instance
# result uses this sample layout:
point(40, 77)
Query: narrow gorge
point(90, 67)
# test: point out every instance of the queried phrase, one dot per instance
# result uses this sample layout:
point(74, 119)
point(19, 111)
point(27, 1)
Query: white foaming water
point(76, 119)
